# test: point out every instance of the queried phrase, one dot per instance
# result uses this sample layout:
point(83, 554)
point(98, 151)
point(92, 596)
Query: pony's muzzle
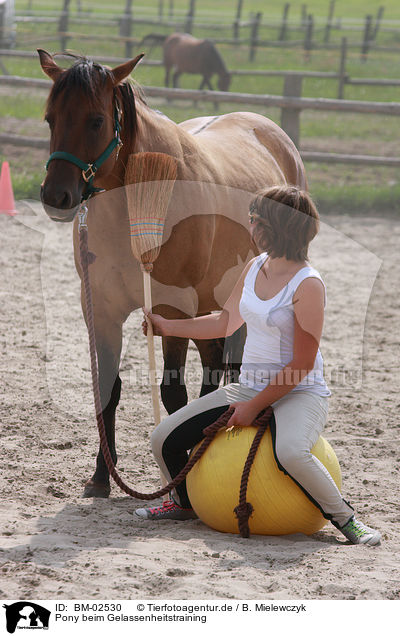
point(59, 203)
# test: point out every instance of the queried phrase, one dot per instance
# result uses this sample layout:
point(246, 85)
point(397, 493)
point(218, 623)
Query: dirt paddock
point(54, 544)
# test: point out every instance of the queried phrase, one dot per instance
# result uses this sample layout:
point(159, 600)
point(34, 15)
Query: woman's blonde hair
point(286, 220)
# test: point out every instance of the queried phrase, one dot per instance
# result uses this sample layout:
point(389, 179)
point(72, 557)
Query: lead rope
point(244, 510)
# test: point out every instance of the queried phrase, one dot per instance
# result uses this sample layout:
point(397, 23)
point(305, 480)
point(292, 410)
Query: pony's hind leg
point(175, 78)
point(108, 345)
point(211, 355)
point(167, 73)
point(173, 388)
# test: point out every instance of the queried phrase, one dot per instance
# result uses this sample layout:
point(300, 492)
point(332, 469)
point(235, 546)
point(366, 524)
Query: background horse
point(186, 54)
point(222, 161)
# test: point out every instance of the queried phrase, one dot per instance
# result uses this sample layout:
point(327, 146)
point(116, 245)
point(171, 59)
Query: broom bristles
point(151, 177)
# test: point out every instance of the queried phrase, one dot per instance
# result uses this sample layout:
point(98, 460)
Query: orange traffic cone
point(7, 203)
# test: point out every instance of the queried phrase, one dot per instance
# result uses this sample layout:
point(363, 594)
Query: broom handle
point(150, 348)
point(148, 305)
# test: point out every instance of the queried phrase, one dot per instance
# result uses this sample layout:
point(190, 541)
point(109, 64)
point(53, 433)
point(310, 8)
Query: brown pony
point(186, 54)
point(222, 161)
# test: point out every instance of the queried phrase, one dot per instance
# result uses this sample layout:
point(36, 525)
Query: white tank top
point(270, 333)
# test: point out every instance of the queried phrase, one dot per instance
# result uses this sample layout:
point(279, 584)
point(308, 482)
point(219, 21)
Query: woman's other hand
point(244, 414)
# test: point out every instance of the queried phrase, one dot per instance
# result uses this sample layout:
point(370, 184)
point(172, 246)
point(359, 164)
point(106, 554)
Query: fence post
point(342, 68)
point(329, 21)
point(283, 30)
point(303, 15)
point(379, 17)
point(236, 23)
point(171, 9)
point(190, 16)
point(125, 27)
point(308, 38)
point(63, 25)
point(254, 35)
point(3, 68)
point(161, 10)
point(290, 117)
point(367, 37)
point(2, 29)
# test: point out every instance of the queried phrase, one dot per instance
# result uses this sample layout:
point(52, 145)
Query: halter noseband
point(89, 169)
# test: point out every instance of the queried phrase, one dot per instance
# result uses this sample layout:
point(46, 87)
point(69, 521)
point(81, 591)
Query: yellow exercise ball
point(280, 506)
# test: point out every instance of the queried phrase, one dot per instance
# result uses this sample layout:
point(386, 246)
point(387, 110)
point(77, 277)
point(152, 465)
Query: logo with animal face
point(26, 615)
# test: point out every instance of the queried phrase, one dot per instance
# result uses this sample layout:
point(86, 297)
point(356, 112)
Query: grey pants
point(300, 417)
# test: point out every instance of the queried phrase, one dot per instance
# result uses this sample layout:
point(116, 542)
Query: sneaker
point(357, 532)
point(169, 510)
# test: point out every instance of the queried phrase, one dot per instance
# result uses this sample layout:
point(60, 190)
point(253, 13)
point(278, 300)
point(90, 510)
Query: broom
point(150, 177)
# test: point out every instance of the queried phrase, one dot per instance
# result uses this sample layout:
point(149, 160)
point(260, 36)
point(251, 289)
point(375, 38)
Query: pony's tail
point(233, 354)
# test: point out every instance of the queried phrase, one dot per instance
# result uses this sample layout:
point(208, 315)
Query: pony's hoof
point(93, 489)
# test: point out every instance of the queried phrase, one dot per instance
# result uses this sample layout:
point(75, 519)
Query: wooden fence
point(290, 104)
point(306, 26)
point(341, 76)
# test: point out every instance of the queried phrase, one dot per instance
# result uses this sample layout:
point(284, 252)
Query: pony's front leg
point(167, 73)
point(175, 78)
point(108, 346)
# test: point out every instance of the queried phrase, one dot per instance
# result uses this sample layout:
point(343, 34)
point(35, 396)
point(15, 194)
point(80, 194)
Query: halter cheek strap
point(89, 169)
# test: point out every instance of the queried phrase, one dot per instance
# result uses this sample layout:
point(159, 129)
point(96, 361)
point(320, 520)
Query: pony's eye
point(96, 123)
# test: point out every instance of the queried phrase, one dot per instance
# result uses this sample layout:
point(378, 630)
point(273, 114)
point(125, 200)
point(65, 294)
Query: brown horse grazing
point(187, 54)
point(222, 161)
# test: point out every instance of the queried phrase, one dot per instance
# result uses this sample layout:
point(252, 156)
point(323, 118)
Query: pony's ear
point(48, 65)
point(123, 70)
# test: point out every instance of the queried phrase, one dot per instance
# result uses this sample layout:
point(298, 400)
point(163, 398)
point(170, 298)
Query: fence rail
point(341, 75)
point(290, 105)
point(24, 141)
point(364, 160)
point(277, 101)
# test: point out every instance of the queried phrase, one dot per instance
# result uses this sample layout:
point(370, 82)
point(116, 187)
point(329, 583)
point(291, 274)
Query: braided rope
point(244, 510)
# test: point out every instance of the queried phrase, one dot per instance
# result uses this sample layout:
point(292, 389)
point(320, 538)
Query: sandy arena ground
point(54, 544)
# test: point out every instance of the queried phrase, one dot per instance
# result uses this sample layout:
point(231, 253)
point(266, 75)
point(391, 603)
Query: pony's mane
point(217, 57)
point(89, 78)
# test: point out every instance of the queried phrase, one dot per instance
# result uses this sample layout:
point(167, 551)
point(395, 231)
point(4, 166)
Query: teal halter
point(89, 169)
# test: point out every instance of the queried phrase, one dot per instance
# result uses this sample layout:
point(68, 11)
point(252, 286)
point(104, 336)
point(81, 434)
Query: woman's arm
point(217, 325)
point(308, 304)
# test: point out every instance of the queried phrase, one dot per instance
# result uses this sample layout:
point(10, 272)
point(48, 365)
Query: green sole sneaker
point(357, 532)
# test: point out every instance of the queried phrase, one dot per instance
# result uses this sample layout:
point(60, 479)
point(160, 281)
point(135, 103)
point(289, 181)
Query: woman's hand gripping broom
point(150, 178)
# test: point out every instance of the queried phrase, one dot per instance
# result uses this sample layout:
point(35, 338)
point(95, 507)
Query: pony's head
point(224, 81)
point(86, 106)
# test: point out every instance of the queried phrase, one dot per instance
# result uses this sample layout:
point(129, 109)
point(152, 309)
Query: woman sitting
point(281, 298)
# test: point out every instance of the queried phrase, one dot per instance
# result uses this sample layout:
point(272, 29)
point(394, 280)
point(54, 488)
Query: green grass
point(376, 200)
point(18, 107)
point(374, 130)
point(27, 186)
point(25, 182)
